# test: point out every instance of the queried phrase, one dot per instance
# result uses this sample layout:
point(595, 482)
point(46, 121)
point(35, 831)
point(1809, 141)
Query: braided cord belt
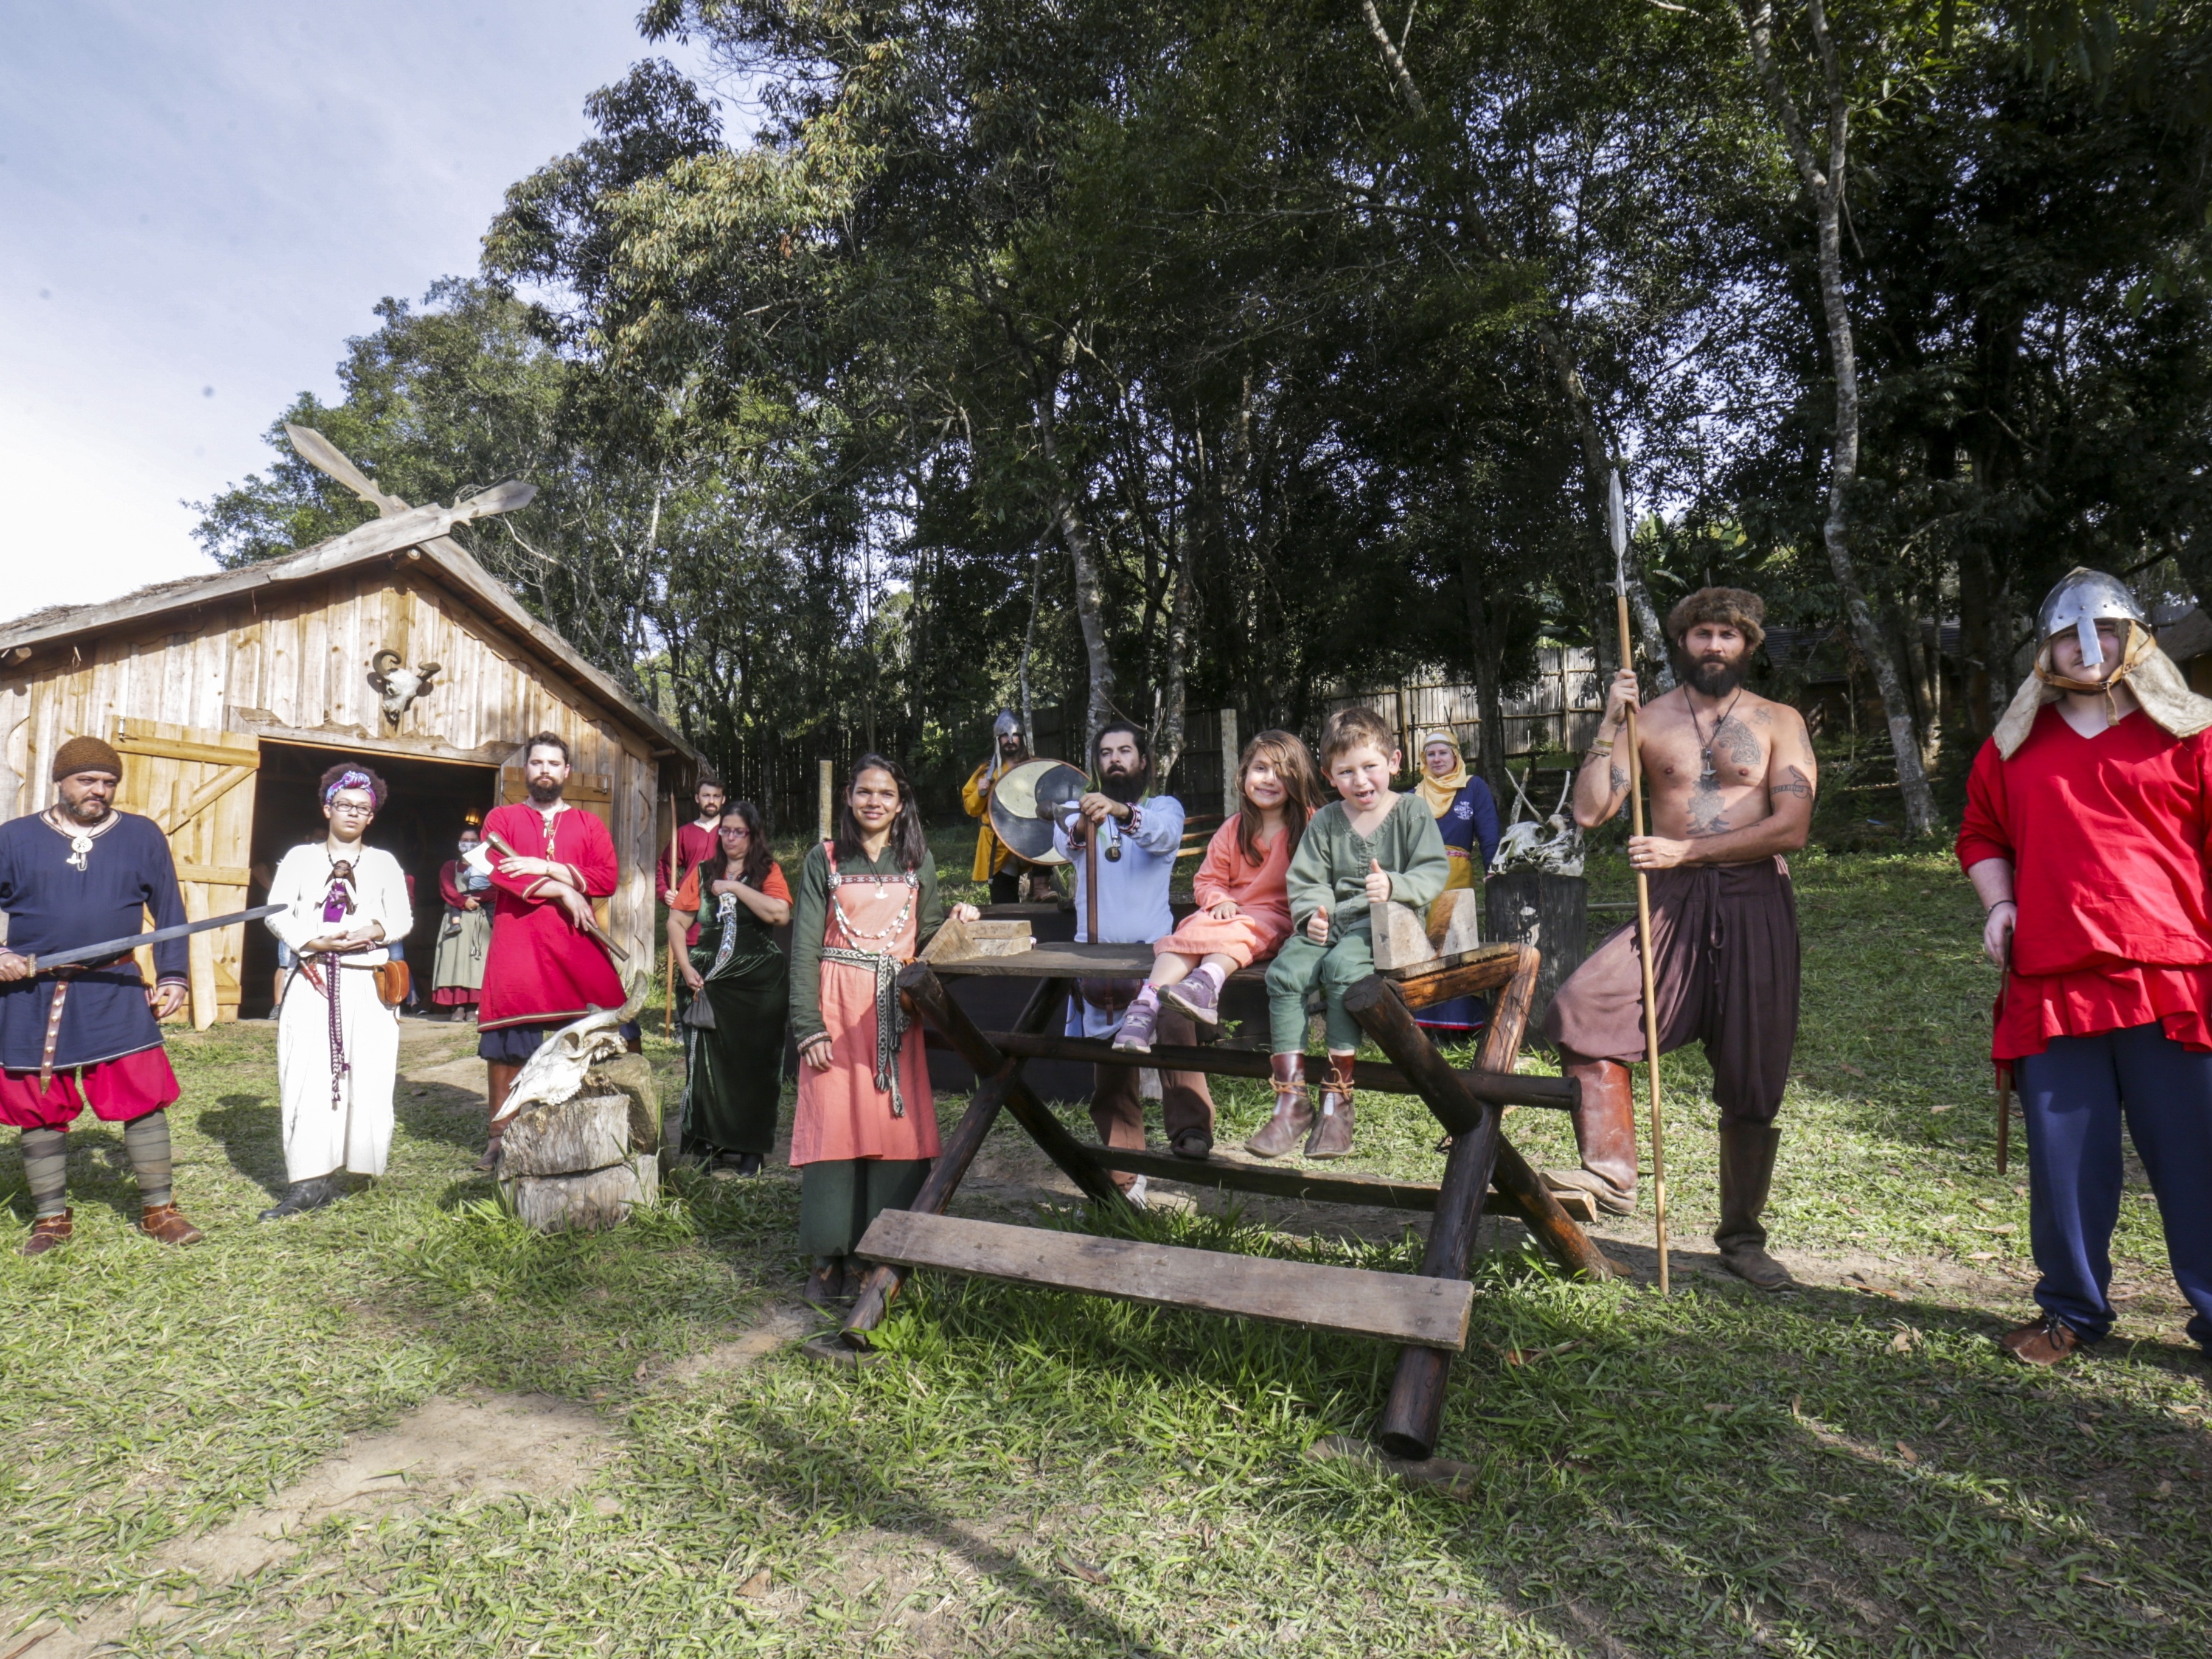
point(891, 1017)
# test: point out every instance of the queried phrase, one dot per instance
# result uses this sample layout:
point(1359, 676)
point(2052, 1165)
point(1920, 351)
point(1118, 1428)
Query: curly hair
point(1733, 607)
point(351, 774)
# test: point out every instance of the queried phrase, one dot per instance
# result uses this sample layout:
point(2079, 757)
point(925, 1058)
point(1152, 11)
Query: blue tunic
point(1469, 826)
point(52, 907)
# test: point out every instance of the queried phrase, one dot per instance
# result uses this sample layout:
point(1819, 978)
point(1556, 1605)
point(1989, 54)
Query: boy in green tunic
point(1370, 845)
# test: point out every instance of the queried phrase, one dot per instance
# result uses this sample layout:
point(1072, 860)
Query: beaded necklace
point(898, 923)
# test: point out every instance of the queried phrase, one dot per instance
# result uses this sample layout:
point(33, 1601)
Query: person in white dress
point(334, 1061)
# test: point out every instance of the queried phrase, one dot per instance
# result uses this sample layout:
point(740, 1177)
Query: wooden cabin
point(228, 694)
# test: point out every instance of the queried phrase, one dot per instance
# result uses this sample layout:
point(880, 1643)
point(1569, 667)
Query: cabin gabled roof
point(416, 538)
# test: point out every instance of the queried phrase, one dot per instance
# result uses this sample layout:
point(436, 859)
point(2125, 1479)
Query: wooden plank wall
point(294, 664)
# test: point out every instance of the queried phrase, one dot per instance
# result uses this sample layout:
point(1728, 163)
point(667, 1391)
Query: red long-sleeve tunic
point(540, 969)
point(2110, 839)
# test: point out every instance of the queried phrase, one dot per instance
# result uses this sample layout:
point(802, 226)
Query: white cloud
point(201, 202)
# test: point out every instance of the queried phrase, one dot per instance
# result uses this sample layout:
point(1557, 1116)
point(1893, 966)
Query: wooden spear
point(675, 879)
point(1618, 524)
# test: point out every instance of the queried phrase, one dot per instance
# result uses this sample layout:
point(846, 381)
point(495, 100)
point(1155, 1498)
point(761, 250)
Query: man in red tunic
point(695, 844)
point(2088, 836)
point(543, 969)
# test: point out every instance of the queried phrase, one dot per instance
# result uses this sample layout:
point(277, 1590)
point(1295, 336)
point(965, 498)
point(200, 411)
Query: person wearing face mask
point(76, 874)
point(337, 1041)
point(465, 934)
point(2086, 836)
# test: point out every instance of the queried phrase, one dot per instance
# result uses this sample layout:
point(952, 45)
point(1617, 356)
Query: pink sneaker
point(1197, 996)
point(1138, 1026)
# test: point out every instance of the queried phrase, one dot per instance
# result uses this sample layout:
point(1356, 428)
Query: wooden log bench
point(1388, 1307)
point(1468, 1104)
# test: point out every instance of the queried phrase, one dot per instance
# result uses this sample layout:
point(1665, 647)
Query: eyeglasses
point(353, 808)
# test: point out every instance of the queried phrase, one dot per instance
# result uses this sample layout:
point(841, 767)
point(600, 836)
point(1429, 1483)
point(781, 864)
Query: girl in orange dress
point(1244, 913)
point(864, 1128)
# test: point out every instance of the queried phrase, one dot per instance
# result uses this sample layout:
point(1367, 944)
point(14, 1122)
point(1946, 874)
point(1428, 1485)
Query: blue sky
point(200, 201)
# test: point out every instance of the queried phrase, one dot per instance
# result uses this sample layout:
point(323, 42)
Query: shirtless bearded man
point(1732, 778)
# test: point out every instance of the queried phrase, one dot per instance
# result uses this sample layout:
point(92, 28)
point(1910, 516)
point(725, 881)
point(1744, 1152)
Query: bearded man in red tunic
point(2088, 836)
point(543, 969)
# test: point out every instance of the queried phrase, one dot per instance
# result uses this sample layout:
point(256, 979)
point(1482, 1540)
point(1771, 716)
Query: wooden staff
point(2004, 1116)
point(1619, 529)
point(675, 879)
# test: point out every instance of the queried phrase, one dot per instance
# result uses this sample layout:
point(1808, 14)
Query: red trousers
point(128, 1086)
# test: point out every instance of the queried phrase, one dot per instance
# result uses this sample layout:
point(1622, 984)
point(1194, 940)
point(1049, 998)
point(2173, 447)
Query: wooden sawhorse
point(1427, 1313)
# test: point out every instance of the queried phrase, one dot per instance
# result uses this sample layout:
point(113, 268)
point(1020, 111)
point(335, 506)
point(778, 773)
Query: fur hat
point(1744, 612)
point(86, 754)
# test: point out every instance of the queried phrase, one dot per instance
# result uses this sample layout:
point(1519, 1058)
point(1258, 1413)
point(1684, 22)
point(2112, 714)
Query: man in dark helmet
point(995, 861)
point(2087, 825)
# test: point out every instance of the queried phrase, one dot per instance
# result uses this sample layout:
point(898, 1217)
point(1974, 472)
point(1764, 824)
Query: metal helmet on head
point(2080, 602)
point(1006, 726)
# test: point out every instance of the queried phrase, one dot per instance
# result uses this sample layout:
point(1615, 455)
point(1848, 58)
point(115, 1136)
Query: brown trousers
point(1119, 1112)
point(1725, 965)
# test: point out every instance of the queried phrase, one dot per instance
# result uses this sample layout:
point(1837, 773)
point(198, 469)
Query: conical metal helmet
point(2080, 602)
point(1007, 725)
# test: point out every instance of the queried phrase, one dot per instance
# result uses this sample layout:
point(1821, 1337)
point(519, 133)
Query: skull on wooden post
point(400, 686)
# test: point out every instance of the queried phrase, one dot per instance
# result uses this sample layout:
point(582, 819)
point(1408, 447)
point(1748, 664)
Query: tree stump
point(584, 1203)
point(1403, 938)
point(575, 1164)
point(1534, 907)
point(631, 1077)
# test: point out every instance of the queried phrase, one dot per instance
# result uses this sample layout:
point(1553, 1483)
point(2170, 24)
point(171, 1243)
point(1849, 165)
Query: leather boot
point(1605, 1134)
point(825, 1285)
point(48, 1232)
point(165, 1224)
point(499, 1078)
point(1294, 1111)
point(1332, 1124)
point(300, 1197)
point(1746, 1172)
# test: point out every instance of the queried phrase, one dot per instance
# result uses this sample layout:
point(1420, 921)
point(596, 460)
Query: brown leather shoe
point(166, 1223)
point(1333, 1123)
point(48, 1232)
point(1294, 1111)
point(2046, 1340)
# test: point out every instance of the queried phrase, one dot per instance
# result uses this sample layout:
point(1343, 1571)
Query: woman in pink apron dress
point(866, 1126)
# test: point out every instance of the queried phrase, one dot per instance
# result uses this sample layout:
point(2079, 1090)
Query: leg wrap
point(46, 1169)
point(147, 1140)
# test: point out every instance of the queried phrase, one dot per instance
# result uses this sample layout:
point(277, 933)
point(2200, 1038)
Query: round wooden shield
point(1025, 802)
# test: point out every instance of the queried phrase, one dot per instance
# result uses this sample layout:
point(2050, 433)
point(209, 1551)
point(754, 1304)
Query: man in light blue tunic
point(1138, 836)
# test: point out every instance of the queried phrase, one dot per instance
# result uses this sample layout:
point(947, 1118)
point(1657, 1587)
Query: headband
point(351, 780)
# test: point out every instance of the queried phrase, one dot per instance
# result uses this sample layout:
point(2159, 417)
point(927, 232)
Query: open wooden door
point(198, 786)
point(592, 791)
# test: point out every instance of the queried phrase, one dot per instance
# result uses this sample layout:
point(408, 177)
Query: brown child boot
point(1332, 1129)
point(1293, 1109)
point(48, 1232)
point(165, 1224)
point(1605, 1132)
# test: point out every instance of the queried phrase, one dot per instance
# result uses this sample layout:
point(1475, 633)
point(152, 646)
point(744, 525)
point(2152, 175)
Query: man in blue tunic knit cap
point(76, 874)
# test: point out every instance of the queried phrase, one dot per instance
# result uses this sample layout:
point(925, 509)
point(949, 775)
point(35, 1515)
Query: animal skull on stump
point(400, 686)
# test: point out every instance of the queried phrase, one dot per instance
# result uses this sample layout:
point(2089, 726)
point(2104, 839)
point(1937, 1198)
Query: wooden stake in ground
point(675, 879)
point(1619, 526)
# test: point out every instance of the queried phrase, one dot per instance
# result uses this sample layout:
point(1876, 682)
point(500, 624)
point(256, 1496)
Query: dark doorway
point(420, 821)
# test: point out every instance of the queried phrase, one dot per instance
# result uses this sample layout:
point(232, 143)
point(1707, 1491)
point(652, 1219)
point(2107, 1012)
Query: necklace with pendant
point(80, 845)
point(1705, 752)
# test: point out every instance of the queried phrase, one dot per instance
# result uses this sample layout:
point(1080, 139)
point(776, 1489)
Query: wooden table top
point(1061, 959)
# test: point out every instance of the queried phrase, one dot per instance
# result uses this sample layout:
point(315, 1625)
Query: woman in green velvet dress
point(733, 1021)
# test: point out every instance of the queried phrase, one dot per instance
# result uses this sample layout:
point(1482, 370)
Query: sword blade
point(109, 949)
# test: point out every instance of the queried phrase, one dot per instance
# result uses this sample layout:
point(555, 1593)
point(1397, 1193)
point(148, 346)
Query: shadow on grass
point(250, 1129)
point(441, 1112)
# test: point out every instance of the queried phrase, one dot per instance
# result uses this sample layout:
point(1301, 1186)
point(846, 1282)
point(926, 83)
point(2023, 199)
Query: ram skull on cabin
point(400, 686)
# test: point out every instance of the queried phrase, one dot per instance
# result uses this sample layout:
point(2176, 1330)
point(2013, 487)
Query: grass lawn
point(487, 1442)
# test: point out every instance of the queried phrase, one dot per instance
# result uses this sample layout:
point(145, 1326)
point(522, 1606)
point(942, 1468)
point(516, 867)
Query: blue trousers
point(2075, 1095)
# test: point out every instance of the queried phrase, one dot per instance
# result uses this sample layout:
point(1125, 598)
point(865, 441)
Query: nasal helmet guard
point(2080, 602)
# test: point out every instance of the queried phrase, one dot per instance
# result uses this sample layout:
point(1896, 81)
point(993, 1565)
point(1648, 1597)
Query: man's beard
point(1010, 748)
point(1709, 677)
point(90, 809)
point(1126, 788)
point(544, 792)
